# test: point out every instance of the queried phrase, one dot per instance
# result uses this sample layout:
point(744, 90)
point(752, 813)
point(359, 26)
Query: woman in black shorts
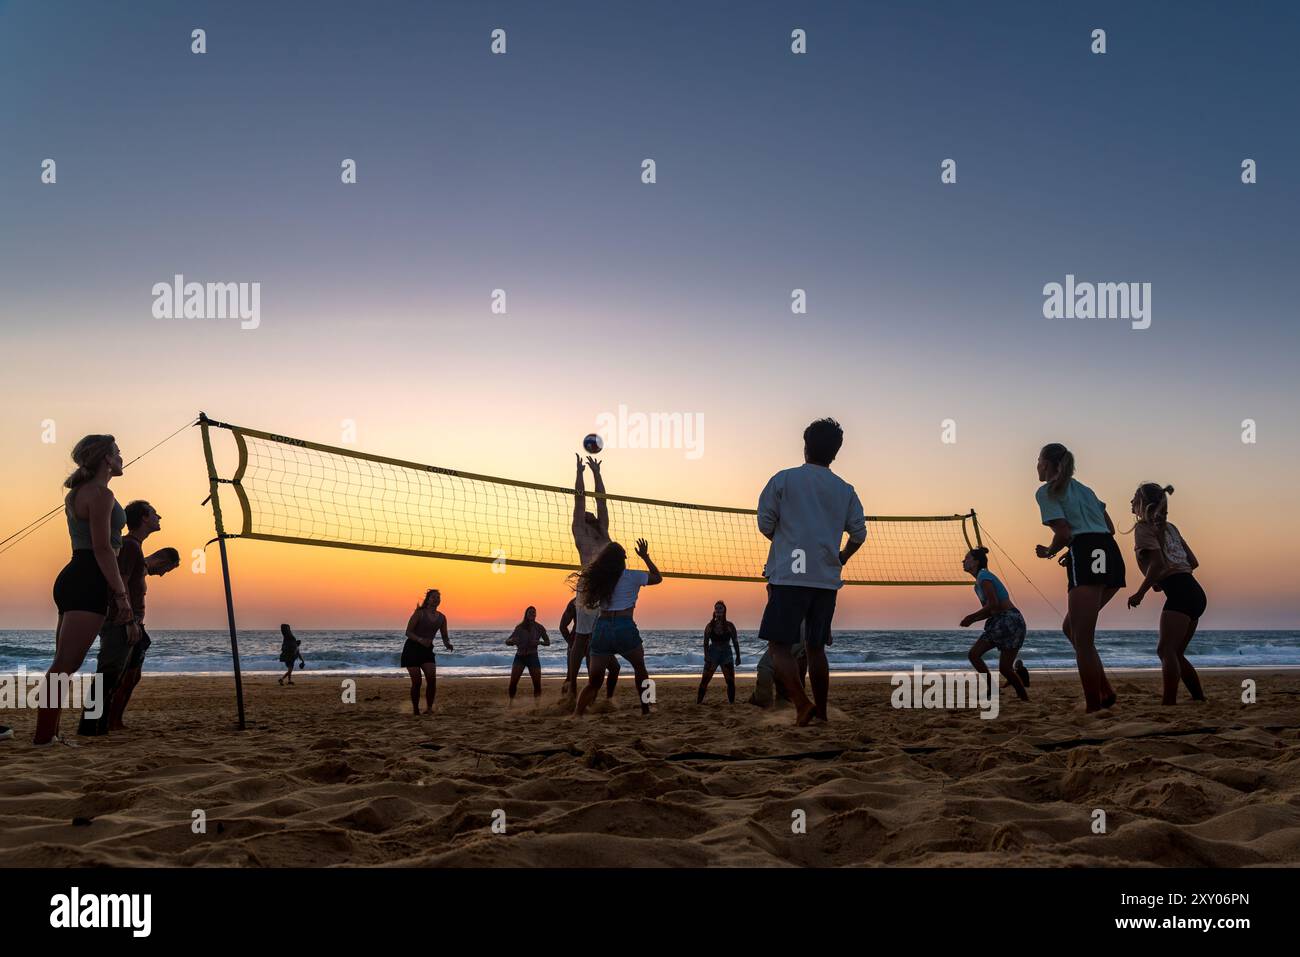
point(528, 634)
point(1167, 563)
point(721, 650)
point(426, 623)
point(89, 589)
point(1094, 567)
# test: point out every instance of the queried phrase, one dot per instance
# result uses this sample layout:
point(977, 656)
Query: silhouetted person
point(805, 512)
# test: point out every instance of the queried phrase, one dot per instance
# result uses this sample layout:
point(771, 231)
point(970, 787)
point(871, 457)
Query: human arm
point(1060, 538)
point(579, 495)
point(602, 508)
point(769, 507)
point(990, 605)
point(442, 627)
point(567, 621)
point(643, 550)
point(735, 644)
point(856, 526)
point(100, 509)
point(410, 631)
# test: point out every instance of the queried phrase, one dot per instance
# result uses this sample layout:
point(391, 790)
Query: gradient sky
point(775, 171)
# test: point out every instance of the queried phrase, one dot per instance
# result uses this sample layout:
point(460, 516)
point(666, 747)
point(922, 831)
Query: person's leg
point(709, 668)
point(1084, 604)
point(1169, 648)
point(977, 652)
point(130, 678)
point(577, 653)
point(636, 658)
point(1007, 666)
point(288, 675)
point(611, 678)
point(820, 614)
point(414, 672)
point(535, 672)
point(787, 677)
point(516, 669)
point(596, 665)
point(76, 632)
point(430, 669)
point(1185, 669)
point(729, 672)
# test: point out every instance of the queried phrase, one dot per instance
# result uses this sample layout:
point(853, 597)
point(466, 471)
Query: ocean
point(483, 653)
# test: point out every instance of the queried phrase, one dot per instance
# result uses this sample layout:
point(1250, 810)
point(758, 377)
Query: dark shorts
point(530, 661)
point(614, 636)
point(81, 586)
point(720, 654)
point(790, 606)
point(1183, 594)
point(1083, 555)
point(1005, 630)
point(415, 654)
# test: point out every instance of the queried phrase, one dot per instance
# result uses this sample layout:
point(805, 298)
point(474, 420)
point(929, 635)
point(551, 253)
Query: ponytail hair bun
point(1169, 490)
point(89, 454)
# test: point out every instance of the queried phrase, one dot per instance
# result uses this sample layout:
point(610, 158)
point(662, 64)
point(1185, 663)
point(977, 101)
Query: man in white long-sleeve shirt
point(805, 512)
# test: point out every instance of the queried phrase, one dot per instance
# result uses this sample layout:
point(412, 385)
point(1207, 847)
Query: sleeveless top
point(424, 627)
point(79, 528)
point(719, 633)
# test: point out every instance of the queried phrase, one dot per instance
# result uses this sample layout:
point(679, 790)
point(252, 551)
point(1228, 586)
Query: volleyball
point(592, 443)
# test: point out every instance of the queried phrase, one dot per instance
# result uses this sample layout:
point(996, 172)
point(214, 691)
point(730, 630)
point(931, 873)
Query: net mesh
point(302, 492)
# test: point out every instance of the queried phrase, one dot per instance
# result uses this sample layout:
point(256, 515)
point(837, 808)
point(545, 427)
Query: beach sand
point(316, 782)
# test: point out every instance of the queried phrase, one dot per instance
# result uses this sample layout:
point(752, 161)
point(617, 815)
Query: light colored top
point(1078, 505)
point(1146, 544)
point(625, 591)
point(999, 589)
point(808, 509)
point(79, 528)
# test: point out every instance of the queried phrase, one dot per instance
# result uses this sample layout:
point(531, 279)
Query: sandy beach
point(317, 782)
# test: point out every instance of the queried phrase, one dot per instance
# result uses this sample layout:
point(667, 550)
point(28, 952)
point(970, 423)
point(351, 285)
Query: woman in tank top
point(1094, 567)
point(426, 624)
point(89, 590)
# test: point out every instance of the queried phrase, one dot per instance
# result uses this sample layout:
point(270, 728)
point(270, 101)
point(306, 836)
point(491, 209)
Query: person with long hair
point(590, 535)
point(1004, 626)
point(528, 634)
point(1093, 564)
point(89, 590)
point(290, 651)
point(607, 584)
point(418, 658)
point(1167, 563)
point(721, 650)
point(568, 631)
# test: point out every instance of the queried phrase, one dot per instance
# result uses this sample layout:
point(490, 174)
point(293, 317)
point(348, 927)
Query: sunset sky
point(775, 172)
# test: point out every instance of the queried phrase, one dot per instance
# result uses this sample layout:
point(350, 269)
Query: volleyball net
point(305, 493)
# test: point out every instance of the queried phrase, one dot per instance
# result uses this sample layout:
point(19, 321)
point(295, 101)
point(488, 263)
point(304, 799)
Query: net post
point(225, 564)
point(976, 523)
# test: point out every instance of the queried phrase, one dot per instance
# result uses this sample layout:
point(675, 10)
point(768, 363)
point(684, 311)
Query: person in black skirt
point(426, 623)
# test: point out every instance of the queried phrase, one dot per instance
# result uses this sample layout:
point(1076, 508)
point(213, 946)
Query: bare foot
point(806, 714)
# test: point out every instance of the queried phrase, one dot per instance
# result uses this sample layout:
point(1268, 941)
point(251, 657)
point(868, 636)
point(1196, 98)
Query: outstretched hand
point(643, 549)
point(594, 463)
point(578, 458)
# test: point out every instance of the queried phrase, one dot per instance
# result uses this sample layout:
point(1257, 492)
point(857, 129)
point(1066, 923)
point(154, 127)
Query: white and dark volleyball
point(593, 443)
